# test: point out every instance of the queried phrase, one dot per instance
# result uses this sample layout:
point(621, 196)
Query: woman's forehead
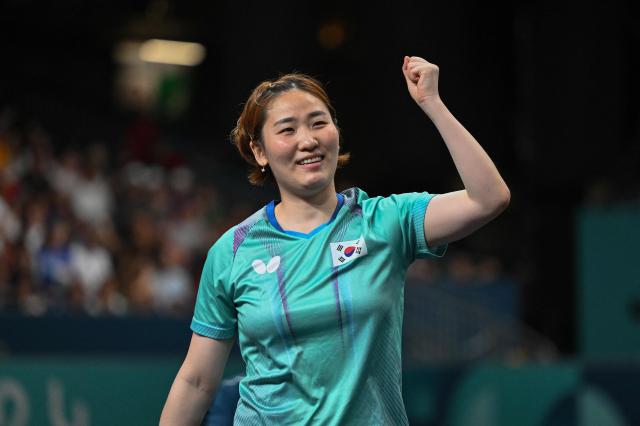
point(294, 102)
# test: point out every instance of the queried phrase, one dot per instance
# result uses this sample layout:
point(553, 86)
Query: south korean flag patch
point(345, 251)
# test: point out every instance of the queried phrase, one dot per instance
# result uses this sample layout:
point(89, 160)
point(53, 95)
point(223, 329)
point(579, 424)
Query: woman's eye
point(287, 130)
point(319, 123)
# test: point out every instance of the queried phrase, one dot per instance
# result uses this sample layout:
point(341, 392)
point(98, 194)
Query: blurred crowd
point(102, 229)
point(123, 227)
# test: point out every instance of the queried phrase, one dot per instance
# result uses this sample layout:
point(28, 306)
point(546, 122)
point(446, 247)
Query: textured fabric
point(318, 318)
point(223, 407)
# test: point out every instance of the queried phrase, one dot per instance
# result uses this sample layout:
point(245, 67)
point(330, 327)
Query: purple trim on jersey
point(348, 307)
point(283, 298)
point(242, 230)
point(276, 311)
point(351, 198)
point(239, 234)
point(336, 292)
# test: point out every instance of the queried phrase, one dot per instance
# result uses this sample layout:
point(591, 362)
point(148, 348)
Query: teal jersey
point(318, 316)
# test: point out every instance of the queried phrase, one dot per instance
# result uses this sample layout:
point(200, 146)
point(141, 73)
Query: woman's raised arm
point(454, 215)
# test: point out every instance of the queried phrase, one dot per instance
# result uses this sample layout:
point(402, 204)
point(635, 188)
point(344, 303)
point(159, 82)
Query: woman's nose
point(308, 142)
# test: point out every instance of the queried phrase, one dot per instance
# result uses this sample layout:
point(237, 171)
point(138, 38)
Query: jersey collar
point(272, 219)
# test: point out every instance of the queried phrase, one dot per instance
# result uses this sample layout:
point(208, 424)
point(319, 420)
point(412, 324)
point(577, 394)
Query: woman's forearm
point(480, 177)
point(196, 382)
point(186, 404)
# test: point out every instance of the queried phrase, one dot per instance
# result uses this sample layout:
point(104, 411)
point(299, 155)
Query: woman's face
point(300, 144)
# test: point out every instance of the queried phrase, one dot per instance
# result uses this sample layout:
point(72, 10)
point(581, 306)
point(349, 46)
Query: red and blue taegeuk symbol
point(349, 251)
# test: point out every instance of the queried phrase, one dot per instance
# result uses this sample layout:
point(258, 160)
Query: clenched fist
point(422, 79)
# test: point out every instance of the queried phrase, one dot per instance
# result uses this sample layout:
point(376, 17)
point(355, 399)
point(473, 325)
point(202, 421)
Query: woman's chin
point(316, 184)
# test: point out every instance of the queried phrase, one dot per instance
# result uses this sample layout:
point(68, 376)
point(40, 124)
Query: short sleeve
point(408, 211)
point(215, 314)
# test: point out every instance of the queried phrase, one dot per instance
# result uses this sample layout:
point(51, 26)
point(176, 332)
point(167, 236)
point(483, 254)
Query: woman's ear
point(258, 153)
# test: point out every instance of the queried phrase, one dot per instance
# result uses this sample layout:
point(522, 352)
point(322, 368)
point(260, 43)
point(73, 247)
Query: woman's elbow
point(199, 383)
point(502, 200)
point(498, 202)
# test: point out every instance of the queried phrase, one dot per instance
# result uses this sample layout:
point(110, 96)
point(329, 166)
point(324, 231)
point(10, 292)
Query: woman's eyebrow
point(317, 113)
point(311, 115)
point(284, 120)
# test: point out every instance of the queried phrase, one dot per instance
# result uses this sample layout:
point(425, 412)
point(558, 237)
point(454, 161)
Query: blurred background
point(117, 175)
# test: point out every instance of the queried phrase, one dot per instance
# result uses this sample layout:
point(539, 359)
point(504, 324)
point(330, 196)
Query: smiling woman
point(313, 284)
point(249, 128)
point(299, 143)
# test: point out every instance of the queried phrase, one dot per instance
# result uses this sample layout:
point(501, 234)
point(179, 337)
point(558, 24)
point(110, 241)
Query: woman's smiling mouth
point(310, 160)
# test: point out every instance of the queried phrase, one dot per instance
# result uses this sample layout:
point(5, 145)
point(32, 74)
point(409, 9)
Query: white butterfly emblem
point(261, 268)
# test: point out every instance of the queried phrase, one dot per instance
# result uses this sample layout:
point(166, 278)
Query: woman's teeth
point(310, 160)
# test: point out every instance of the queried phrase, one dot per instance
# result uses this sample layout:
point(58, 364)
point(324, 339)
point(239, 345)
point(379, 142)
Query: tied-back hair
point(254, 114)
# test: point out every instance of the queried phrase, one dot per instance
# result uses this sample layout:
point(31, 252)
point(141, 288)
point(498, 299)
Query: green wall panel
point(608, 287)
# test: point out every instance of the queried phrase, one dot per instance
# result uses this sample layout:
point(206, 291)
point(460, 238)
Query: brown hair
point(254, 114)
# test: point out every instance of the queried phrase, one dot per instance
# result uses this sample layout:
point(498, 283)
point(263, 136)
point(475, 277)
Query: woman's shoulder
point(357, 196)
point(233, 237)
point(354, 196)
point(357, 199)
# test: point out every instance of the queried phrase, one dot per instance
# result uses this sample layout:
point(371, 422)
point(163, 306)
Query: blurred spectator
point(92, 269)
point(189, 228)
point(35, 226)
point(65, 175)
point(111, 300)
point(139, 276)
point(462, 269)
point(9, 225)
point(425, 271)
point(91, 196)
point(21, 279)
point(54, 269)
point(144, 233)
point(172, 289)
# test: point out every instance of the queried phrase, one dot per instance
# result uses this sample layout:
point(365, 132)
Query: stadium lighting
point(172, 52)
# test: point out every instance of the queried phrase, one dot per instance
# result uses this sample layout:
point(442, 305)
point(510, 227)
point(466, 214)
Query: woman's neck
point(305, 214)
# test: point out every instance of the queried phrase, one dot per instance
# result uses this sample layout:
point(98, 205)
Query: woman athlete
point(312, 285)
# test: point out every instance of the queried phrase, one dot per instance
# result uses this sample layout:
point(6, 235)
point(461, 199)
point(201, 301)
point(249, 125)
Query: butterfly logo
point(271, 266)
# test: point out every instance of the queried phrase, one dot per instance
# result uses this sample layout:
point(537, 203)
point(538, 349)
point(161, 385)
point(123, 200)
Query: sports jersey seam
point(211, 331)
point(419, 211)
point(425, 247)
point(204, 324)
point(262, 213)
point(245, 238)
point(235, 252)
point(402, 259)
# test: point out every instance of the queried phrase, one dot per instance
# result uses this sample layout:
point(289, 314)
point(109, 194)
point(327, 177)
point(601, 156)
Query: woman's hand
point(422, 80)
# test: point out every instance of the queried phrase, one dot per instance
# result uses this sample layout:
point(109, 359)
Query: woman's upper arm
point(205, 361)
point(454, 215)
